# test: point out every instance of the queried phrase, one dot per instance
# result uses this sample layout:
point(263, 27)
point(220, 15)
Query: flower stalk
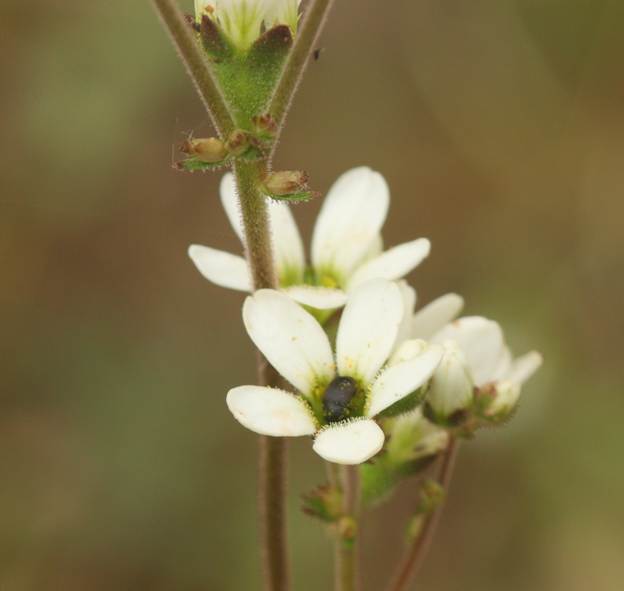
point(417, 551)
point(307, 36)
point(196, 64)
point(347, 534)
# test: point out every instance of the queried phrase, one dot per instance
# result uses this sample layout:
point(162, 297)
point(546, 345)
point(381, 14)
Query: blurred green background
point(499, 125)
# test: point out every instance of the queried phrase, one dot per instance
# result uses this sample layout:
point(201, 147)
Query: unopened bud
point(504, 399)
point(451, 389)
point(209, 149)
point(264, 124)
point(237, 142)
point(285, 182)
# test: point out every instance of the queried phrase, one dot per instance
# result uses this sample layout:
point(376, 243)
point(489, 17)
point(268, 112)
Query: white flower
point(346, 244)
point(337, 396)
point(241, 20)
point(482, 343)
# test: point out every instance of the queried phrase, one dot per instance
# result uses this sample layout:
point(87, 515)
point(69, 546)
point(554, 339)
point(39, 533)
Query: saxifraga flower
point(346, 246)
point(336, 396)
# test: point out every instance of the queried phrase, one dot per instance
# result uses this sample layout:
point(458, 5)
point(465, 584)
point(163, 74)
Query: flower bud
point(240, 20)
point(451, 388)
point(209, 149)
point(285, 182)
point(237, 142)
point(504, 399)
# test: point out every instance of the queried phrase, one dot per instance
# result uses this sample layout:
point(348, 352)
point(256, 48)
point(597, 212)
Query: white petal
point(482, 342)
point(392, 264)
point(351, 217)
point(229, 200)
point(375, 248)
point(524, 367)
point(350, 442)
point(435, 315)
point(368, 329)
point(322, 298)
point(291, 339)
point(287, 245)
point(270, 411)
point(451, 388)
point(408, 294)
point(222, 268)
point(397, 381)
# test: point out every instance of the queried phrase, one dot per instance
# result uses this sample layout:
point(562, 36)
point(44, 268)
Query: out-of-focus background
point(499, 126)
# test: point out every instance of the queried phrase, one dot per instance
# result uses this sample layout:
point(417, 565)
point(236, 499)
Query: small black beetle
point(338, 394)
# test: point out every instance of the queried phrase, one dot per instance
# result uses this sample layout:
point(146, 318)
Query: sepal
point(215, 43)
point(324, 503)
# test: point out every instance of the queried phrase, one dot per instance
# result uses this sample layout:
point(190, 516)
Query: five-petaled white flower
point(337, 397)
point(241, 20)
point(346, 244)
point(475, 355)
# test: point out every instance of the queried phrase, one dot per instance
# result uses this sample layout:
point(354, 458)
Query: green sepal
point(301, 197)
point(248, 79)
point(406, 404)
point(378, 479)
point(214, 41)
point(271, 48)
point(194, 164)
point(324, 503)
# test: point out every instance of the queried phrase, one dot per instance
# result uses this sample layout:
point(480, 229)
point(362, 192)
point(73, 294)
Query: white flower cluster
point(384, 352)
point(242, 20)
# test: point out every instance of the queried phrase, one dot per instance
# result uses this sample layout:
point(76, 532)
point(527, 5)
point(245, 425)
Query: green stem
point(418, 549)
point(307, 36)
point(196, 63)
point(255, 214)
point(346, 542)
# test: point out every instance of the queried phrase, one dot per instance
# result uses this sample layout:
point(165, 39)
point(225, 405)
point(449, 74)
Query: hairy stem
point(346, 540)
point(417, 551)
point(272, 450)
point(254, 210)
point(307, 36)
point(196, 63)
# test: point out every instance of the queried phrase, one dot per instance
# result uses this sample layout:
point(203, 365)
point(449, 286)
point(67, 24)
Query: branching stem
point(418, 549)
point(249, 175)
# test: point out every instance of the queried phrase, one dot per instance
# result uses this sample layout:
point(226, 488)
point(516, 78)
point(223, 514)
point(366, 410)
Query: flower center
point(337, 397)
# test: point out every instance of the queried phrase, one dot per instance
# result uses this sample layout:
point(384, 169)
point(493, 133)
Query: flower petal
point(351, 217)
point(229, 200)
point(435, 315)
point(287, 244)
point(290, 338)
point(397, 381)
point(524, 367)
point(368, 329)
point(392, 264)
point(322, 298)
point(222, 268)
point(452, 387)
point(270, 411)
point(481, 341)
point(349, 443)
point(408, 294)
